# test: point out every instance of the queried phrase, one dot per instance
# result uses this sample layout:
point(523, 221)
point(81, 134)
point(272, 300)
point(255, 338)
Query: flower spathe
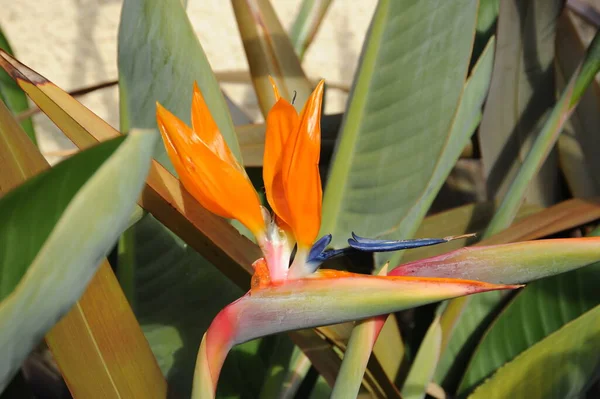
point(282, 297)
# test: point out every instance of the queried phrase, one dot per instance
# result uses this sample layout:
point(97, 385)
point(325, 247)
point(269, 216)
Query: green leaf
point(487, 18)
point(385, 170)
point(12, 95)
point(462, 127)
point(423, 367)
point(547, 137)
point(466, 319)
point(559, 366)
point(360, 345)
point(537, 311)
point(307, 23)
point(177, 294)
point(521, 92)
point(52, 243)
point(473, 315)
point(160, 57)
point(578, 146)
point(287, 368)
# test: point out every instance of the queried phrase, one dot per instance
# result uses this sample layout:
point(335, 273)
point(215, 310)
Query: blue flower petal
point(373, 245)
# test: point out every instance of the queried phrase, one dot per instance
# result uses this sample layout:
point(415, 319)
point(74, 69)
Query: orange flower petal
point(275, 89)
point(206, 129)
point(282, 120)
point(300, 171)
point(214, 183)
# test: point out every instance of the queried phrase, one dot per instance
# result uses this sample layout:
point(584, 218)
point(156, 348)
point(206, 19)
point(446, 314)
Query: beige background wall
point(74, 44)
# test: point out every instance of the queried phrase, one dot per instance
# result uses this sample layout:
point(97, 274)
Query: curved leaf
point(537, 311)
point(160, 57)
point(423, 367)
point(467, 318)
point(559, 366)
point(544, 142)
point(578, 145)
point(80, 343)
point(59, 257)
point(381, 180)
point(521, 92)
point(462, 127)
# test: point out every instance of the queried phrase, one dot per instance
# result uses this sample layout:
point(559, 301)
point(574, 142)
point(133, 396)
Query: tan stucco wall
point(74, 44)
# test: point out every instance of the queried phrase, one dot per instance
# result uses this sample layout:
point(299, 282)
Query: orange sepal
point(300, 172)
point(205, 127)
point(215, 183)
point(282, 121)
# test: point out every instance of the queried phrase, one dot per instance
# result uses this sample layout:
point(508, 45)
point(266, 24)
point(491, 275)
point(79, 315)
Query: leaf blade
point(542, 365)
point(46, 251)
point(380, 121)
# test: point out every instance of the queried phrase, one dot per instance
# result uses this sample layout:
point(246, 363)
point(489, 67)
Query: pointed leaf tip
point(519, 262)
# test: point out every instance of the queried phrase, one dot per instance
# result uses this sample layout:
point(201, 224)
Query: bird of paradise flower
point(288, 290)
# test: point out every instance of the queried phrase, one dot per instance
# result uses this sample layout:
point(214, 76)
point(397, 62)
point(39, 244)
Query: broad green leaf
point(471, 315)
point(160, 57)
point(462, 127)
point(578, 145)
point(537, 311)
point(423, 367)
point(465, 319)
point(413, 65)
point(579, 82)
point(270, 53)
point(558, 366)
point(81, 344)
point(12, 95)
point(307, 23)
point(60, 255)
point(521, 92)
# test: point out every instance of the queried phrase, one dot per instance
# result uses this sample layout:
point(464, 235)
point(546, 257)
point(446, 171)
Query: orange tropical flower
point(210, 172)
point(203, 162)
point(283, 297)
